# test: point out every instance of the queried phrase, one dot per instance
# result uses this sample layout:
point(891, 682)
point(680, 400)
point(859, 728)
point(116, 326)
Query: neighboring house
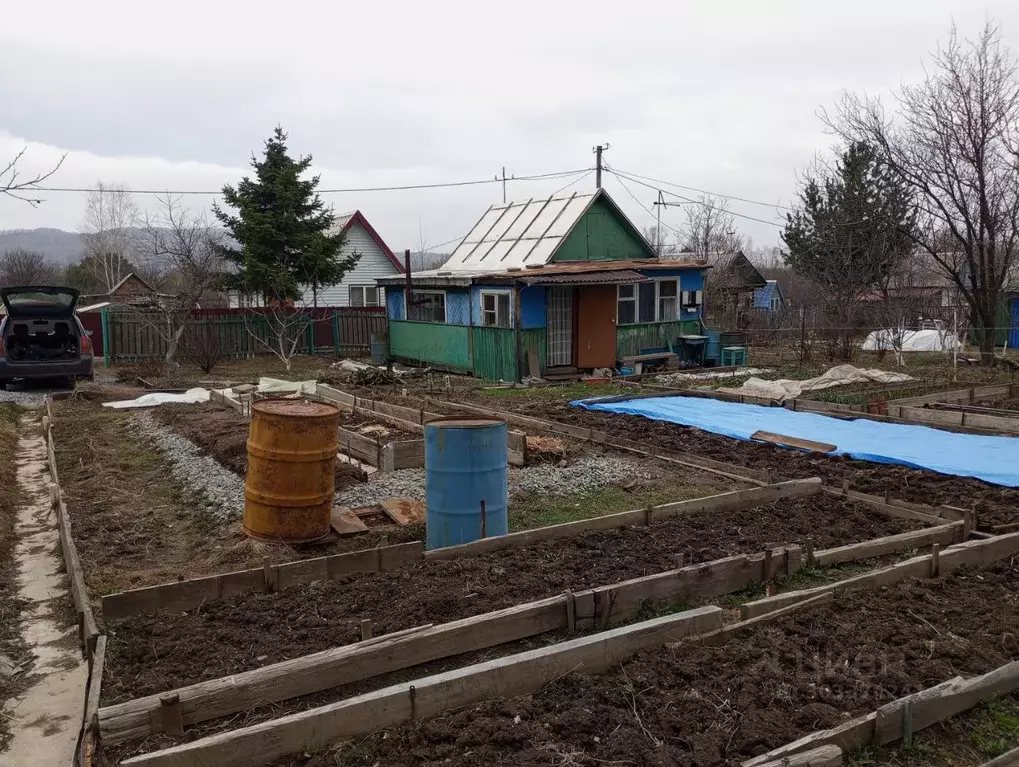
point(131, 291)
point(544, 286)
point(731, 288)
point(769, 298)
point(358, 286)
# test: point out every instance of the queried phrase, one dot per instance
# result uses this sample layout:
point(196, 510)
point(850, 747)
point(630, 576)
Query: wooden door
point(559, 340)
point(596, 326)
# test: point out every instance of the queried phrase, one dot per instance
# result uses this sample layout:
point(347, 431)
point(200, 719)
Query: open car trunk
point(40, 326)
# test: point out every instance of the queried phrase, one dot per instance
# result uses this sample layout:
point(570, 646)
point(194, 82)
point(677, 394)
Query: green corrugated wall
point(495, 353)
point(447, 346)
point(532, 338)
point(600, 235)
point(631, 338)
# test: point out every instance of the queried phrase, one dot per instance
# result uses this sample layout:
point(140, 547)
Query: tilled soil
point(222, 433)
point(708, 706)
point(994, 504)
point(157, 652)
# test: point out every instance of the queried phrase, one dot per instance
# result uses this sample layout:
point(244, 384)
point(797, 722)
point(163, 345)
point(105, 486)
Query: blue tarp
point(992, 459)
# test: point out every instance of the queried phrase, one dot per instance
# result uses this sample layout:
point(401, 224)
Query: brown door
point(596, 326)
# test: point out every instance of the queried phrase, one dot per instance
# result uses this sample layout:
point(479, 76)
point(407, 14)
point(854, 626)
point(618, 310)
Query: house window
point(667, 297)
point(626, 304)
point(427, 306)
point(647, 302)
point(366, 295)
point(776, 303)
point(495, 310)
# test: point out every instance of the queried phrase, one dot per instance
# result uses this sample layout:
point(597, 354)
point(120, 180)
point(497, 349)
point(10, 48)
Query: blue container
point(466, 480)
point(380, 348)
point(713, 353)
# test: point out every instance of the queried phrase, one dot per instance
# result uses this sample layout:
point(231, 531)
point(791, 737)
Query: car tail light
point(86, 345)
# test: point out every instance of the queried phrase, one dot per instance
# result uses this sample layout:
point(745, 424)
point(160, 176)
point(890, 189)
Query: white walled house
point(358, 286)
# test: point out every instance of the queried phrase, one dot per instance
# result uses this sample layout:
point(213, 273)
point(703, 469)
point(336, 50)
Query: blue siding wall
point(394, 304)
point(476, 291)
point(458, 307)
point(532, 306)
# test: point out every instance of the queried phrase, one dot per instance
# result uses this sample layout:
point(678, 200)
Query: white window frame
point(658, 301)
point(380, 296)
point(775, 303)
point(495, 295)
point(417, 292)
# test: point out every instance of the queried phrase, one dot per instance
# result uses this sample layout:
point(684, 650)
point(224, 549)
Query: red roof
point(358, 216)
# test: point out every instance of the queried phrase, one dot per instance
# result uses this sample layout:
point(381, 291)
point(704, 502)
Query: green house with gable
point(564, 284)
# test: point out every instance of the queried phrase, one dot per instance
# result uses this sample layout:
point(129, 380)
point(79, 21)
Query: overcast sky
point(720, 95)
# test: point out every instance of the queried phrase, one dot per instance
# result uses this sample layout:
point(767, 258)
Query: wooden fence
point(127, 335)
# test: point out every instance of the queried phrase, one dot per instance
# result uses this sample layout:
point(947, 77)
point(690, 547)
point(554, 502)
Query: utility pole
point(597, 164)
point(503, 179)
point(658, 229)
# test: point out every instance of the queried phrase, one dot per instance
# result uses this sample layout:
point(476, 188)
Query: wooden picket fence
point(130, 336)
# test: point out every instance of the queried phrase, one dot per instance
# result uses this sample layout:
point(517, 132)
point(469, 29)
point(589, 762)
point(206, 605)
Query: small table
point(734, 355)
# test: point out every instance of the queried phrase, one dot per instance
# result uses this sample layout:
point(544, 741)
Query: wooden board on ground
point(507, 677)
point(786, 441)
point(346, 522)
point(404, 511)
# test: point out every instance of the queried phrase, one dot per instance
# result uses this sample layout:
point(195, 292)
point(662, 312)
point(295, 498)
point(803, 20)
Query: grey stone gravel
point(589, 471)
point(217, 488)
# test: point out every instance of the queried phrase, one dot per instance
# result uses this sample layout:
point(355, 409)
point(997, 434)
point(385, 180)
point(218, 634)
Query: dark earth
point(707, 706)
point(157, 652)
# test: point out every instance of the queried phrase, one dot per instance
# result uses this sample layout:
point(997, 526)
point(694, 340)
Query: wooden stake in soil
point(571, 612)
point(366, 629)
point(680, 560)
point(173, 719)
point(935, 560)
point(808, 548)
point(767, 564)
point(967, 525)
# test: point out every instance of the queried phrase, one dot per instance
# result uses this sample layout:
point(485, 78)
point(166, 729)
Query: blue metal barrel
point(713, 353)
point(466, 480)
point(380, 348)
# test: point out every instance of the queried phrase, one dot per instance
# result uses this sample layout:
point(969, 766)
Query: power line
point(705, 191)
point(619, 174)
point(642, 205)
point(401, 188)
point(575, 181)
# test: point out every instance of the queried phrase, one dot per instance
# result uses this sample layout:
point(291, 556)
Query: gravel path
point(28, 393)
point(548, 479)
point(219, 489)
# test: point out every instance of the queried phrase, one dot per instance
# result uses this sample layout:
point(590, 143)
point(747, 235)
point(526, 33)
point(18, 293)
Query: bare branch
point(12, 185)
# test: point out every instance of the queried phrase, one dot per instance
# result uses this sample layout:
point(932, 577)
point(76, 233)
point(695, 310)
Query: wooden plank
point(822, 756)
point(944, 535)
point(1008, 759)
point(739, 499)
point(848, 736)
point(404, 511)
point(358, 446)
point(511, 676)
point(185, 595)
point(338, 666)
point(334, 395)
point(95, 681)
point(898, 509)
point(346, 522)
point(794, 442)
point(1011, 527)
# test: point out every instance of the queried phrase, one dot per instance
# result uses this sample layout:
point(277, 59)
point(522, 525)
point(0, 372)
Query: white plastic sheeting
point(277, 386)
point(190, 397)
point(841, 375)
point(911, 341)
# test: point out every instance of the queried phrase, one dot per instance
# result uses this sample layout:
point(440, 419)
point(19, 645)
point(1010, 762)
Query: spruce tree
point(283, 229)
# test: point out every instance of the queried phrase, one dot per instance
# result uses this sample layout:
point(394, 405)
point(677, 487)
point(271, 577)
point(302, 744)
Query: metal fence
point(128, 335)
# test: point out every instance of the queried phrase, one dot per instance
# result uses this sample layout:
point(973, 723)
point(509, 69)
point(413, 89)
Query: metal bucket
point(288, 491)
point(466, 480)
point(380, 348)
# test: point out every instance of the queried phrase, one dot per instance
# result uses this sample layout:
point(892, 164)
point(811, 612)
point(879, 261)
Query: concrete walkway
point(46, 720)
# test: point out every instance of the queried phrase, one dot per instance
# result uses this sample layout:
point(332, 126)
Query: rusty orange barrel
point(288, 491)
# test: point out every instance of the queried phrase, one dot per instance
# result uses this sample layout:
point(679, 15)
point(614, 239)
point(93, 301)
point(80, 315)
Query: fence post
point(336, 334)
point(106, 335)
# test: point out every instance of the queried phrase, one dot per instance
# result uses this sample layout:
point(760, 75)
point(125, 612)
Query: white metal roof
point(518, 234)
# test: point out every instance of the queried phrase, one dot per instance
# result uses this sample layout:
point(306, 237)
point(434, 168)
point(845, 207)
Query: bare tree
point(660, 241)
point(954, 139)
point(280, 328)
point(710, 231)
point(24, 267)
point(110, 213)
point(189, 247)
point(13, 184)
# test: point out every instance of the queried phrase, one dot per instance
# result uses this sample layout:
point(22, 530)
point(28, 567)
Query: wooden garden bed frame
point(528, 672)
point(591, 609)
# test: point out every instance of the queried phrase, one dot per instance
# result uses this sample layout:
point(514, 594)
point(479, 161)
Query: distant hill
point(56, 245)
